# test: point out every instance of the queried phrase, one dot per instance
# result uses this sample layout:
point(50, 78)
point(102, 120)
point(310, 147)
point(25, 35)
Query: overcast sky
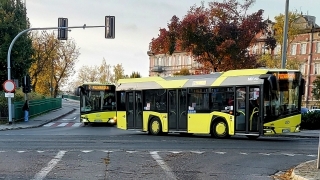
point(137, 22)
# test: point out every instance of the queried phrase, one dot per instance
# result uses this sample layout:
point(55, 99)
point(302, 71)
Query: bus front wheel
point(220, 129)
point(155, 126)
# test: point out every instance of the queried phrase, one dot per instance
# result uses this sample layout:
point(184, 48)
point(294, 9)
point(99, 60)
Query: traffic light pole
point(10, 48)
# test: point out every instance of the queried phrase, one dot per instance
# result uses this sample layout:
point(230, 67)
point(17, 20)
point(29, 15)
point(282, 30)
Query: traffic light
point(110, 27)
point(63, 33)
point(26, 85)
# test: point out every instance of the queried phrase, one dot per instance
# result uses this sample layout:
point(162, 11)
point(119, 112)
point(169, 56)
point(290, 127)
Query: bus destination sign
point(286, 76)
point(100, 88)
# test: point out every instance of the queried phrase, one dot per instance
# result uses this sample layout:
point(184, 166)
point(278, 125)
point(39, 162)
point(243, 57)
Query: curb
point(294, 174)
point(39, 125)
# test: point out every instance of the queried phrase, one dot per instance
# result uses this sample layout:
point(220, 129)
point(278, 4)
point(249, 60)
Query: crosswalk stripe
point(62, 124)
point(59, 124)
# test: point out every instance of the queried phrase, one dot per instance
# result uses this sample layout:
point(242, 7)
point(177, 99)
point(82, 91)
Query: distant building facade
point(305, 48)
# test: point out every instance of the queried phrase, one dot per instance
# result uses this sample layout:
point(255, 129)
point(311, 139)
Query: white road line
point(62, 124)
point(163, 165)
point(49, 124)
point(44, 171)
point(76, 124)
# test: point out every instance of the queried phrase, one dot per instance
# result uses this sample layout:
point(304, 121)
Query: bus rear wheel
point(220, 129)
point(155, 126)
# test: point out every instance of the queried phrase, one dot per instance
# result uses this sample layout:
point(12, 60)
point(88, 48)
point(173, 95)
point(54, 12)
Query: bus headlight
point(112, 121)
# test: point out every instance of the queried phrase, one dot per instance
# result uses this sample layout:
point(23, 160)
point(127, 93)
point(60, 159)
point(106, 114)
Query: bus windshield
point(285, 101)
point(94, 100)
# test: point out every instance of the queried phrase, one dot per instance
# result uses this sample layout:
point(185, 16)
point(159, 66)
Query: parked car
point(304, 110)
point(314, 110)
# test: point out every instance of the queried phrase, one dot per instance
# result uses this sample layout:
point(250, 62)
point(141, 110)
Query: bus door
point(177, 110)
point(247, 113)
point(134, 110)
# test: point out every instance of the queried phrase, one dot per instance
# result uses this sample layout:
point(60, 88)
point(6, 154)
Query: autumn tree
point(105, 72)
point(274, 61)
point(55, 61)
point(45, 51)
point(13, 20)
point(218, 35)
point(88, 74)
point(316, 88)
point(293, 28)
point(118, 72)
point(135, 75)
point(182, 72)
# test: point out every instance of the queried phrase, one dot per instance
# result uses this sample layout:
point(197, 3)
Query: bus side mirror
point(273, 83)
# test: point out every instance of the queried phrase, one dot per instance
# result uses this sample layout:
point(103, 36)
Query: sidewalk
point(305, 171)
point(38, 120)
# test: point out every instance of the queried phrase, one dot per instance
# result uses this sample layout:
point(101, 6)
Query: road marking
point(86, 151)
point(163, 165)
point(175, 152)
point(266, 154)
point(20, 151)
point(288, 154)
point(197, 152)
point(44, 171)
point(220, 152)
point(49, 124)
point(244, 153)
point(62, 124)
point(131, 152)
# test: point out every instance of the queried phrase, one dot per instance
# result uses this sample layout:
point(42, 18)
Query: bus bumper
point(280, 130)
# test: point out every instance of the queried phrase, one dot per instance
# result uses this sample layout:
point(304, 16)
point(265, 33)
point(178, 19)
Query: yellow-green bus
point(249, 102)
point(97, 103)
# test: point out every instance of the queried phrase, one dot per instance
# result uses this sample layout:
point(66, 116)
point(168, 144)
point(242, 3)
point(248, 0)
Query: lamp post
point(285, 36)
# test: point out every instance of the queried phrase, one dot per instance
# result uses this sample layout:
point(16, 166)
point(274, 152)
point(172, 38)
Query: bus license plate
point(97, 120)
point(285, 130)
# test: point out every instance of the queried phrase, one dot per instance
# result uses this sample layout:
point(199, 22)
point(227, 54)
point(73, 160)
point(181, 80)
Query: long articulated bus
point(250, 102)
point(97, 103)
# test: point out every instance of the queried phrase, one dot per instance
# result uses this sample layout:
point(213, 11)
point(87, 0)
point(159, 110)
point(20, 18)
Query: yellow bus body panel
point(162, 116)
point(200, 123)
point(288, 124)
point(100, 117)
point(121, 120)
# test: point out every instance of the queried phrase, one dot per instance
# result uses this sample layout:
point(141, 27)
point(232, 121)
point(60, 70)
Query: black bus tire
point(155, 127)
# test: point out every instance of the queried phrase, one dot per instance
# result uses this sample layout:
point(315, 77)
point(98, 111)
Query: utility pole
point(285, 36)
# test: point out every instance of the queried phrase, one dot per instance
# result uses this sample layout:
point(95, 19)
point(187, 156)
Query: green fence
point(71, 97)
point(36, 107)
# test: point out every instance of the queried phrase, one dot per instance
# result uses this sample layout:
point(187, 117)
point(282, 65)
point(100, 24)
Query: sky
point(137, 22)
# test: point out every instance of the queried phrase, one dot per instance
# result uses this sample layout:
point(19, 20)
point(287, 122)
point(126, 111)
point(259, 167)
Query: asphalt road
point(101, 152)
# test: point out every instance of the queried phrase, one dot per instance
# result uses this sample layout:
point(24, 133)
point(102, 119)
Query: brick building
point(305, 48)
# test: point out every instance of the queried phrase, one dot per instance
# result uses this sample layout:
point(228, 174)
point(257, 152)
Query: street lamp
point(285, 36)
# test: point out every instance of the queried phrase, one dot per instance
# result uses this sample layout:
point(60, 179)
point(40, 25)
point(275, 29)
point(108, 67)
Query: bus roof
point(228, 78)
point(97, 83)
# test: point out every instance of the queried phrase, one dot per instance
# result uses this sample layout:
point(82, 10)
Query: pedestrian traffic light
point(110, 27)
point(26, 85)
point(63, 32)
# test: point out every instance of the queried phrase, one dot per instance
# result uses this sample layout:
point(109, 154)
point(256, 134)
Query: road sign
point(11, 95)
point(9, 86)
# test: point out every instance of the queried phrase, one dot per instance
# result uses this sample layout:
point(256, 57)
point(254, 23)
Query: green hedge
point(310, 120)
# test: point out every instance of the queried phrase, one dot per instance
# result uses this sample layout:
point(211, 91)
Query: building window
point(303, 48)
point(302, 68)
point(318, 47)
point(317, 68)
point(293, 49)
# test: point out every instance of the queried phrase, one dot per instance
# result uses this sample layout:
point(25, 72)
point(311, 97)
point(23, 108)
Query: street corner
point(305, 171)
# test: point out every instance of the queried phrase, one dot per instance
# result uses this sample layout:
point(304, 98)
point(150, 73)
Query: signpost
point(9, 86)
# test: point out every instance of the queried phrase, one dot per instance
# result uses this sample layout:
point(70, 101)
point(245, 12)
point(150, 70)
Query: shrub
point(18, 97)
point(310, 120)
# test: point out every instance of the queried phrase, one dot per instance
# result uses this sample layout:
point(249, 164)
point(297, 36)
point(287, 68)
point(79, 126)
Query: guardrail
point(36, 107)
point(71, 97)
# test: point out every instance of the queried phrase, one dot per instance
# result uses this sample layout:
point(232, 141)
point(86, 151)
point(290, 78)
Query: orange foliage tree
point(218, 35)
